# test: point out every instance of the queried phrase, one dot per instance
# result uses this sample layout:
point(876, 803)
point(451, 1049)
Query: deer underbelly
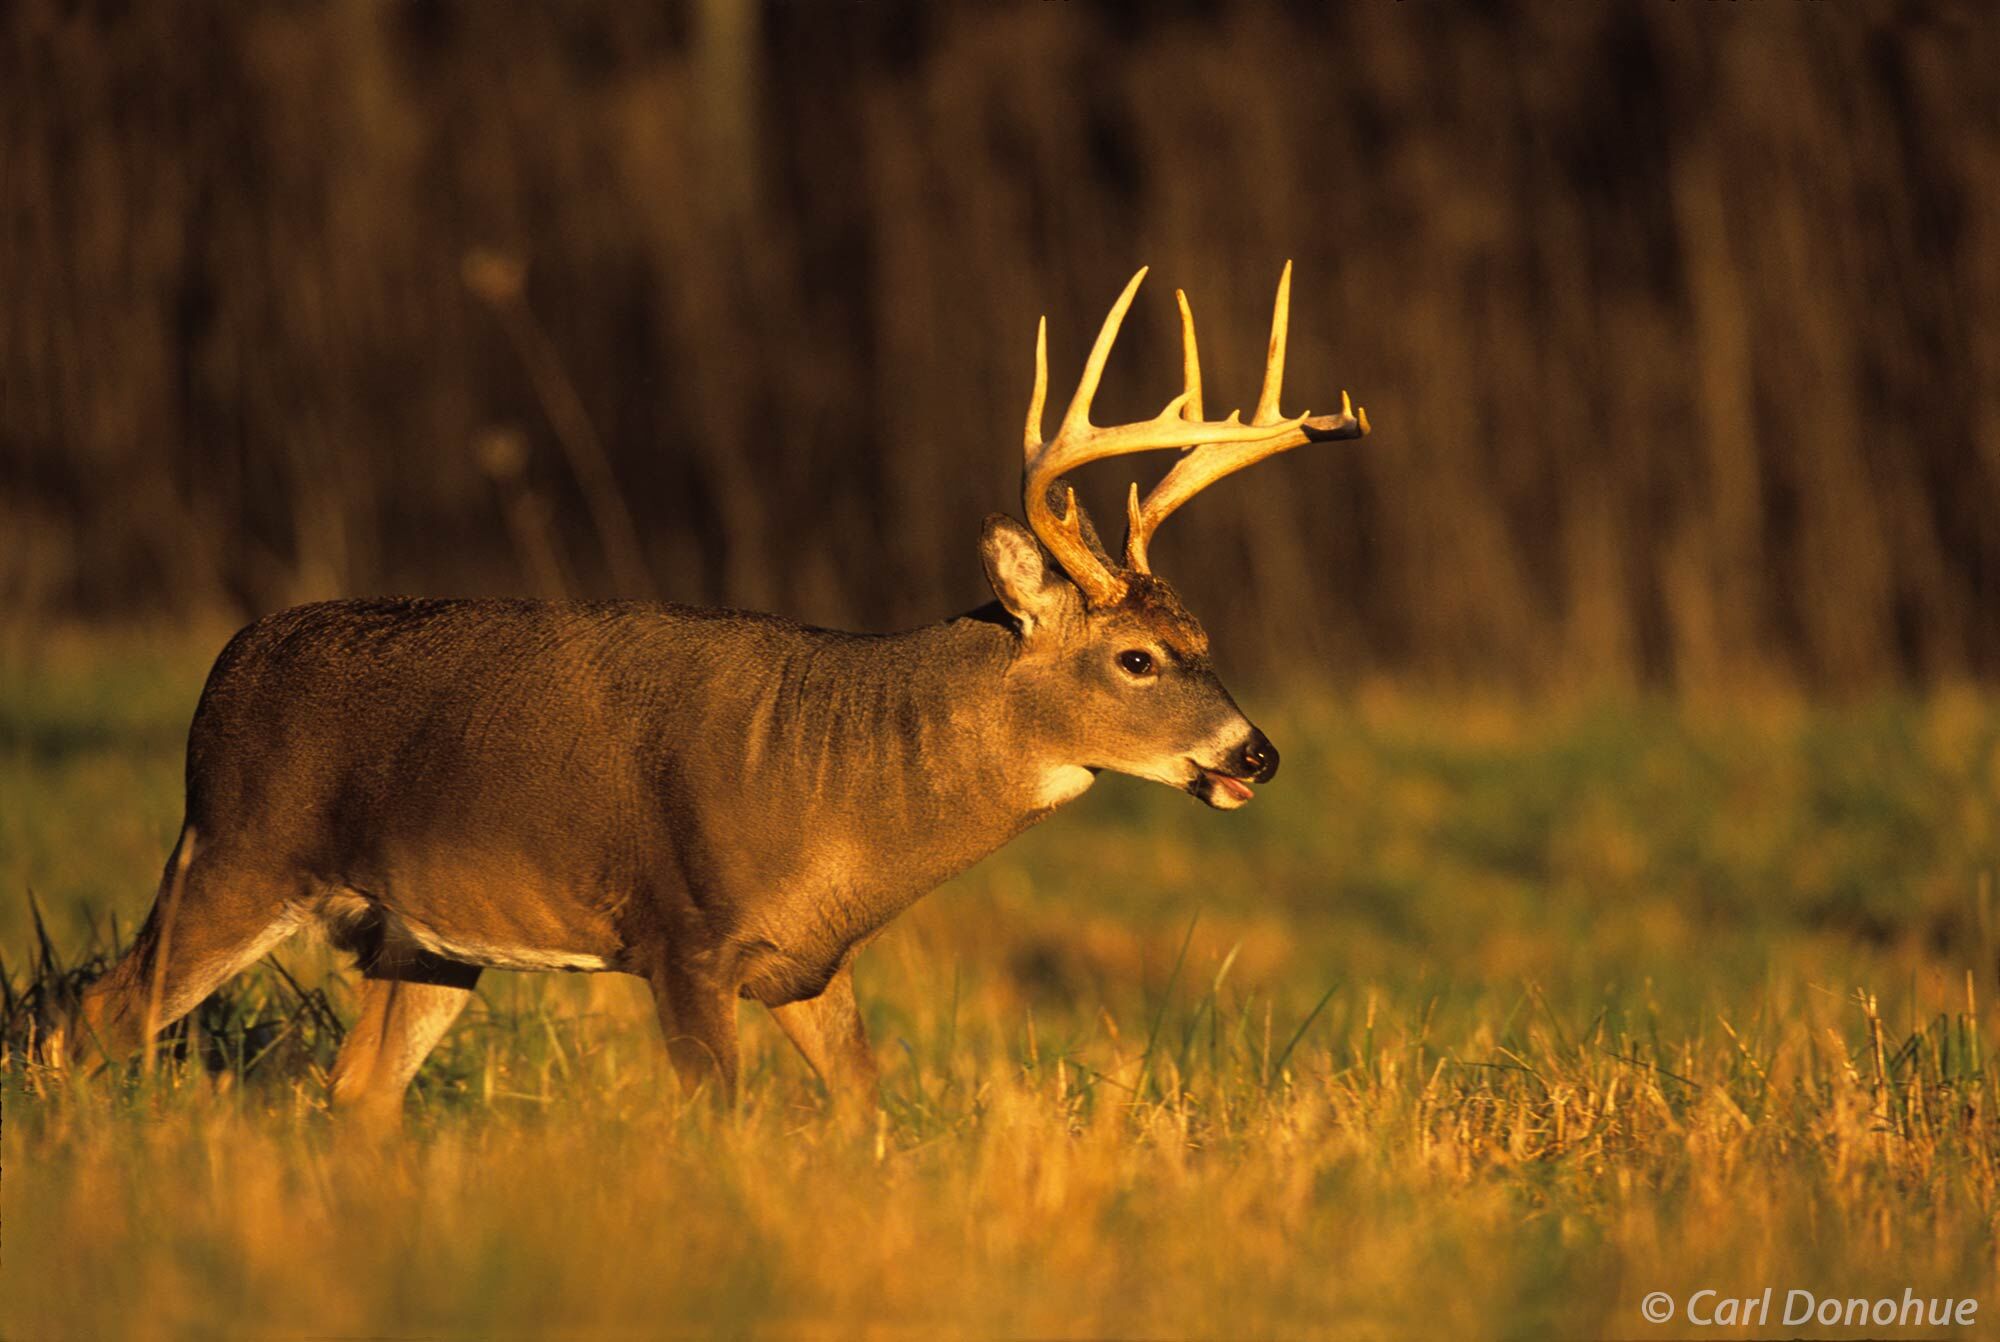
point(502, 953)
point(361, 923)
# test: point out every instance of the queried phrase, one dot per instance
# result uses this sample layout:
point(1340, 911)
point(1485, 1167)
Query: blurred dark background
point(1679, 324)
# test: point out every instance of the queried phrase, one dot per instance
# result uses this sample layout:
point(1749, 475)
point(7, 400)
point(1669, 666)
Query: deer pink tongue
point(1235, 787)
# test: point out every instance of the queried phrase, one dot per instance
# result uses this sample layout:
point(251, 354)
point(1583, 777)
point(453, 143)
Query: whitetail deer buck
point(726, 804)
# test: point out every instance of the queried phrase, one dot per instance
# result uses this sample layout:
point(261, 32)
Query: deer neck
point(1015, 755)
point(958, 740)
point(909, 754)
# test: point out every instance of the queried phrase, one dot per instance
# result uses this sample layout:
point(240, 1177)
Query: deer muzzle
point(1226, 786)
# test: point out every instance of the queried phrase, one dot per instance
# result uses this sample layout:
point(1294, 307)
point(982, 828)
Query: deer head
point(1107, 654)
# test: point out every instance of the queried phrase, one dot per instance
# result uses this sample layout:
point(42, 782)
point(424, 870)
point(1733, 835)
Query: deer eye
point(1136, 662)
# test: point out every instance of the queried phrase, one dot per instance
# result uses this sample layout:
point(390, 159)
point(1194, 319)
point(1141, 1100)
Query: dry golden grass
point(1486, 1177)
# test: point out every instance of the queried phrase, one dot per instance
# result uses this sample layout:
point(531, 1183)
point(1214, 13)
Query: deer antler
point(1220, 446)
point(1211, 459)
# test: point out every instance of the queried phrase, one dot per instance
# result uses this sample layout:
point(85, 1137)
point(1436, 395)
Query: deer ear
point(1032, 592)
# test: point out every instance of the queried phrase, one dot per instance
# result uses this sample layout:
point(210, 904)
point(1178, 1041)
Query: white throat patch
point(1065, 782)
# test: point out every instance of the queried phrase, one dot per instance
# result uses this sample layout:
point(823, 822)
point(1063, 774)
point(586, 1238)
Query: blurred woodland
point(1679, 324)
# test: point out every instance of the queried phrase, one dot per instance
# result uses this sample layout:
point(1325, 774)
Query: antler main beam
point(1219, 447)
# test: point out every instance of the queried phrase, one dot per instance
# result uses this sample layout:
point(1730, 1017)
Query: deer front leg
point(698, 1023)
point(829, 1031)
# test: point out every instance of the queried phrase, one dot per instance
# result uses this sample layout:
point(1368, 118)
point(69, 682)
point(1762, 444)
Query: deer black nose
point(1258, 759)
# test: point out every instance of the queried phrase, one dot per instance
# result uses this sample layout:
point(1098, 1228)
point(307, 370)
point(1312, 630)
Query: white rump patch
point(1065, 782)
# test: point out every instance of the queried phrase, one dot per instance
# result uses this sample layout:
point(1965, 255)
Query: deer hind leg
point(212, 919)
point(409, 999)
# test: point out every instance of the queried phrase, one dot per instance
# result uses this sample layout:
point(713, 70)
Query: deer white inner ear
point(1020, 576)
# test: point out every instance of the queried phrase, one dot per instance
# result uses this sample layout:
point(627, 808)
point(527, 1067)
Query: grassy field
point(1485, 1020)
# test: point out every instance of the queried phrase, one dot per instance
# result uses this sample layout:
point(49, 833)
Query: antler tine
point(1190, 362)
point(1077, 417)
point(1274, 354)
point(1031, 439)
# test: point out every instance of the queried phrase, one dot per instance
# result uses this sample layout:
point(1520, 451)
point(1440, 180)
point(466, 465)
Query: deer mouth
point(1220, 790)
